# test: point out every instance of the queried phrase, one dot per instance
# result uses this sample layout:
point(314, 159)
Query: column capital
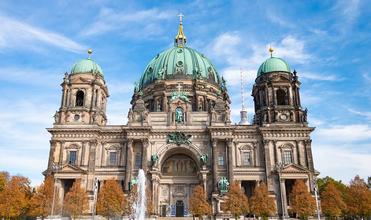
point(214, 142)
point(145, 142)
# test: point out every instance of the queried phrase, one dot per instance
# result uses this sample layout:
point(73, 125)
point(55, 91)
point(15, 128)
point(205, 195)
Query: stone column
point(129, 159)
point(51, 153)
point(230, 160)
point(215, 164)
point(308, 150)
point(268, 164)
point(290, 96)
point(61, 148)
point(144, 155)
point(283, 197)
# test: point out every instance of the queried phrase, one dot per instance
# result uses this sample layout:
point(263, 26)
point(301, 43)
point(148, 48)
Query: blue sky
point(327, 42)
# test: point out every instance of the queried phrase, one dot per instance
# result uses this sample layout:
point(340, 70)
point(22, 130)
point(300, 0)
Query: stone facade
point(180, 133)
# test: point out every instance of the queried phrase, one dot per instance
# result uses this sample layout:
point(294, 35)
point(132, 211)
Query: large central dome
point(177, 63)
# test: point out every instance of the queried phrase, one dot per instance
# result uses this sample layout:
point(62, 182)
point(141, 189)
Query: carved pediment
point(294, 168)
point(68, 168)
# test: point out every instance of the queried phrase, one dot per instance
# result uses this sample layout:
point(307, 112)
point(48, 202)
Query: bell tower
point(276, 94)
point(84, 95)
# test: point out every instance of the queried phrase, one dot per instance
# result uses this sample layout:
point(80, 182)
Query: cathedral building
point(179, 132)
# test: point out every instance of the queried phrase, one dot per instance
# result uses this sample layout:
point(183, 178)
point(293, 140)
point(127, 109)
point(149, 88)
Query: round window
point(76, 117)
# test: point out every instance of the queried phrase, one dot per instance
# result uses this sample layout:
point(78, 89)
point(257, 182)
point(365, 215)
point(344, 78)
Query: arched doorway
point(179, 175)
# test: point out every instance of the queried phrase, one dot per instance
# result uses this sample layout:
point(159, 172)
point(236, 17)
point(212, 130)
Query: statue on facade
point(179, 118)
point(154, 159)
point(56, 117)
point(178, 138)
point(223, 185)
point(204, 159)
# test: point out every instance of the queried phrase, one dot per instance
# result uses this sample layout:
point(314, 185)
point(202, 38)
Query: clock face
point(283, 117)
point(76, 117)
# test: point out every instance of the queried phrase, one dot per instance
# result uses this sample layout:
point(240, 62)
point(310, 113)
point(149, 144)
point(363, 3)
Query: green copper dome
point(179, 62)
point(87, 66)
point(273, 64)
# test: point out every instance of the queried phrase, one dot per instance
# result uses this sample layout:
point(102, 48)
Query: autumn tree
point(15, 197)
point(4, 178)
point(332, 202)
point(110, 199)
point(358, 199)
point(236, 202)
point(261, 204)
point(76, 200)
point(198, 204)
point(302, 202)
point(41, 203)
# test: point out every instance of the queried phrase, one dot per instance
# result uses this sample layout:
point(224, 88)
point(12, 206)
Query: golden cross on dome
point(90, 51)
point(271, 50)
point(180, 15)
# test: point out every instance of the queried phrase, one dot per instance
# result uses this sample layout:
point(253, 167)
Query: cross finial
point(179, 87)
point(271, 50)
point(180, 15)
point(90, 51)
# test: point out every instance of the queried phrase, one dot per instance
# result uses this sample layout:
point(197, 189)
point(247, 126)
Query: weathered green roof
point(178, 62)
point(273, 64)
point(87, 66)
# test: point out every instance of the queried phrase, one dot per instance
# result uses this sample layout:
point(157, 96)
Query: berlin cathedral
point(179, 132)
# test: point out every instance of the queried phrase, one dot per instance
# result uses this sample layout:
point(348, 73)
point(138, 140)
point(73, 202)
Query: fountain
point(139, 206)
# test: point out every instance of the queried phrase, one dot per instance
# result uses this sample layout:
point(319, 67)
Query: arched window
point(281, 97)
point(80, 98)
point(287, 156)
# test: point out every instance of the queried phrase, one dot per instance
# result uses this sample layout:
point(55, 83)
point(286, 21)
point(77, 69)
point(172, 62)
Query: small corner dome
point(87, 66)
point(273, 64)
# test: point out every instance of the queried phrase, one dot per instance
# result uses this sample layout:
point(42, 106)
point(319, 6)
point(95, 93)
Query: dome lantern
point(273, 64)
point(87, 66)
point(180, 39)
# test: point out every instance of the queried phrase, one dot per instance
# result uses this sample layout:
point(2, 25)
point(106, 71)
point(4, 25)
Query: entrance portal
point(179, 208)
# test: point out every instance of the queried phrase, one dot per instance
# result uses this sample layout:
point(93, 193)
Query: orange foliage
point(198, 205)
point(4, 178)
point(236, 202)
point(42, 200)
point(15, 197)
point(261, 204)
point(331, 201)
point(358, 198)
point(110, 199)
point(149, 202)
point(76, 200)
point(302, 202)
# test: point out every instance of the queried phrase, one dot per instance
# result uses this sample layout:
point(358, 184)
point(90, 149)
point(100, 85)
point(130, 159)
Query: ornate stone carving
point(178, 138)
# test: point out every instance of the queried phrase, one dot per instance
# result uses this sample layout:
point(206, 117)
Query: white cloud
point(348, 12)
point(29, 76)
point(318, 76)
point(118, 87)
point(233, 76)
point(17, 34)
point(367, 115)
point(141, 23)
point(345, 133)
point(340, 163)
point(236, 54)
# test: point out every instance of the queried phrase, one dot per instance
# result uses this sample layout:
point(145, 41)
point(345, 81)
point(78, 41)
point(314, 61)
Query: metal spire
point(243, 112)
point(180, 39)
